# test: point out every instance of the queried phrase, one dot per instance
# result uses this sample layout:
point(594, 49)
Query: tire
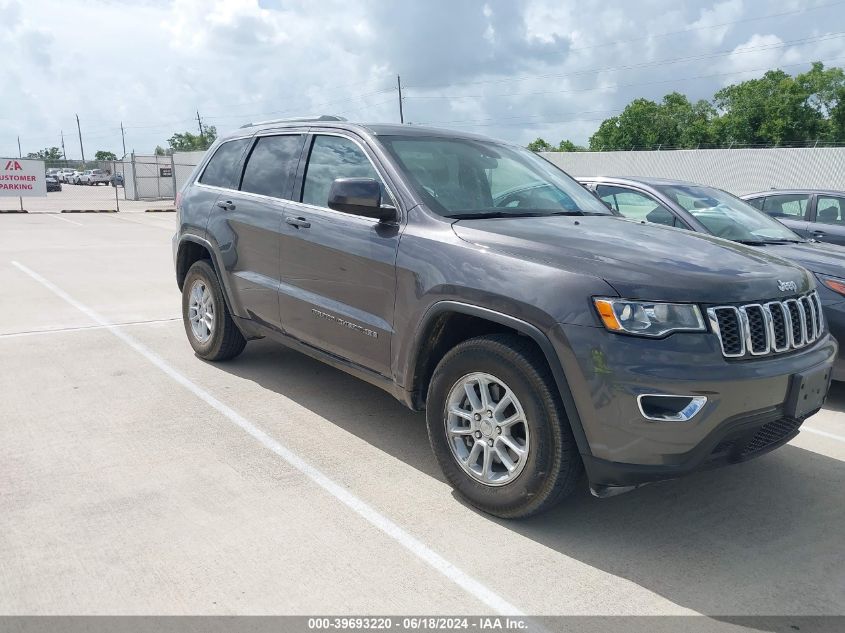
point(224, 341)
point(551, 465)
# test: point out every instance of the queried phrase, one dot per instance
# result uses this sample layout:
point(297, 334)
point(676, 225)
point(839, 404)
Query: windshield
point(468, 178)
point(726, 216)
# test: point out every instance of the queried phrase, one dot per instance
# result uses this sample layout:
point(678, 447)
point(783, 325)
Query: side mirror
point(359, 196)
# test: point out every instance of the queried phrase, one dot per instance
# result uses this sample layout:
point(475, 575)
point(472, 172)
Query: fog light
point(667, 408)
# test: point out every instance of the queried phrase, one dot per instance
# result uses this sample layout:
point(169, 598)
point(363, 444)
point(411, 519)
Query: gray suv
point(542, 334)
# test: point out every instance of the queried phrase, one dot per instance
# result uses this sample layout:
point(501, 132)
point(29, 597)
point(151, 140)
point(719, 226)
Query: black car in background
point(53, 184)
point(708, 210)
point(812, 213)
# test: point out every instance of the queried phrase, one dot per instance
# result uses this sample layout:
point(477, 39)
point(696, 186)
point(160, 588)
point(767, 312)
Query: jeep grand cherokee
point(541, 333)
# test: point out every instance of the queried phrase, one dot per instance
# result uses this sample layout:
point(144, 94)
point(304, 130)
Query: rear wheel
point(496, 424)
point(208, 324)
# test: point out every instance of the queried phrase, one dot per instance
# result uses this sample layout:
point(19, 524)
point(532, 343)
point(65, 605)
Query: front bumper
point(745, 413)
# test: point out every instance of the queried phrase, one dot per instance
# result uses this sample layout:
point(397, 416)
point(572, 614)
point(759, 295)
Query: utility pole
point(20, 155)
point(123, 139)
point(81, 149)
point(199, 122)
point(399, 85)
point(64, 155)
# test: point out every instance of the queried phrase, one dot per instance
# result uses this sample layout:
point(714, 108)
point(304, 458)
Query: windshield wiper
point(764, 242)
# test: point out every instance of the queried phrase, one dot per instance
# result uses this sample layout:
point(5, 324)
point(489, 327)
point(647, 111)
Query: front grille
point(769, 434)
point(775, 327)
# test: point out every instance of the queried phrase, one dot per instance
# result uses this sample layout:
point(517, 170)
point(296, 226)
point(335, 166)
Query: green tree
point(773, 109)
point(188, 142)
point(104, 155)
point(568, 146)
point(540, 145)
point(48, 153)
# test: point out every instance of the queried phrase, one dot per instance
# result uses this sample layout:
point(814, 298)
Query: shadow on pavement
point(764, 537)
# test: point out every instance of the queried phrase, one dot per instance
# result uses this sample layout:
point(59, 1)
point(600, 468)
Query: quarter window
point(830, 210)
point(271, 166)
point(334, 157)
point(222, 169)
point(791, 205)
point(635, 205)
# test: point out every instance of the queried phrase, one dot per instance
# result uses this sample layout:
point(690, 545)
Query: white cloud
point(513, 70)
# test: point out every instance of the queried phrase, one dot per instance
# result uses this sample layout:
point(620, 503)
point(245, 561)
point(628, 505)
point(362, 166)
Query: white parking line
point(466, 582)
point(58, 217)
point(823, 433)
point(85, 328)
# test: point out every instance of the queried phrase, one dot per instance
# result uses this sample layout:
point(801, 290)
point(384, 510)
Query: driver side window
point(636, 205)
point(335, 157)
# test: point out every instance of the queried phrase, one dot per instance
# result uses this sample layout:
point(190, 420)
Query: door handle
point(819, 233)
point(226, 205)
point(300, 223)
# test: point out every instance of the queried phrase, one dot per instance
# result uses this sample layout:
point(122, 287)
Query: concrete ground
point(83, 198)
point(137, 479)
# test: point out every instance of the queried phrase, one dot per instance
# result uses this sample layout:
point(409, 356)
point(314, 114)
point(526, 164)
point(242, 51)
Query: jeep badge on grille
point(783, 286)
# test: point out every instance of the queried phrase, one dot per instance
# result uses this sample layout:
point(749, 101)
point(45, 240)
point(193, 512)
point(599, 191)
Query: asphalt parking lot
point(137, 479)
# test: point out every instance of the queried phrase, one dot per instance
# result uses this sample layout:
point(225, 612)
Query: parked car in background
point(117, 180)
point(709, 210)
point(812, 213)
point(75, 177)
point(541, 334)
point(65, 174)
point(53, 184)
point(53, 172)
point(94, 177)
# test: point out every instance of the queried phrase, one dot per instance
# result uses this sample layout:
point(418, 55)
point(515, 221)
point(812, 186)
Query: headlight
point(834, 283)
point(647, 318)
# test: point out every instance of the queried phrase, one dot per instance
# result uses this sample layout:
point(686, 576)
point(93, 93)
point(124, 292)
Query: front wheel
point(208, 324)
point(497, 427)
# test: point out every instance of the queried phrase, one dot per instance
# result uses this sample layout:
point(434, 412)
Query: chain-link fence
point(135, 183)
point(73, 186)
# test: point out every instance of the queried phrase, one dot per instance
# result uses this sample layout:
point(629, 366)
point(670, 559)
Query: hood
point(825, 259)
point(641, 261)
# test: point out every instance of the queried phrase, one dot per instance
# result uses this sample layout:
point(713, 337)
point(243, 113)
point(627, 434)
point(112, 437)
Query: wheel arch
point(434, 338)
point(193, 248)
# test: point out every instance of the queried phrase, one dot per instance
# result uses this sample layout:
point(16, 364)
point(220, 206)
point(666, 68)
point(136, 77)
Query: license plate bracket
point(807, 392)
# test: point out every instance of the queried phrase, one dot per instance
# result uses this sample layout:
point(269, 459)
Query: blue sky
point(513, 70)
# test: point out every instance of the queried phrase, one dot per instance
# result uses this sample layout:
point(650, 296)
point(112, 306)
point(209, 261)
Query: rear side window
point(787, 206)
point(334, 157)
point(271, 166)
point(222, 169)
point(830, 210)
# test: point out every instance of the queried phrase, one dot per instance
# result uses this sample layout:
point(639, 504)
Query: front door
point(338, 273)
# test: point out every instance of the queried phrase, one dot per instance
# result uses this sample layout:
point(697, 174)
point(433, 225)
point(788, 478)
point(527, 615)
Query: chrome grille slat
point(756, 329)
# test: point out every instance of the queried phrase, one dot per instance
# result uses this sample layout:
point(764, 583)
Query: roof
point(769, 192)
point(643, 180)
point(376, 129)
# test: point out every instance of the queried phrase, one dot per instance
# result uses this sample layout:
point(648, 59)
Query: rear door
point(338, 270)
point(247, 223)
point(792, 209)
point(829, 219)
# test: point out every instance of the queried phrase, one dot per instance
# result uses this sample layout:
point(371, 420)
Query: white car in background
point(65, 174)
point(94, 177)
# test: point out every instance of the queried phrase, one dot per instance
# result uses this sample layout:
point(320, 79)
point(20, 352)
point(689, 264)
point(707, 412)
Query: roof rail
point(301, 119)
